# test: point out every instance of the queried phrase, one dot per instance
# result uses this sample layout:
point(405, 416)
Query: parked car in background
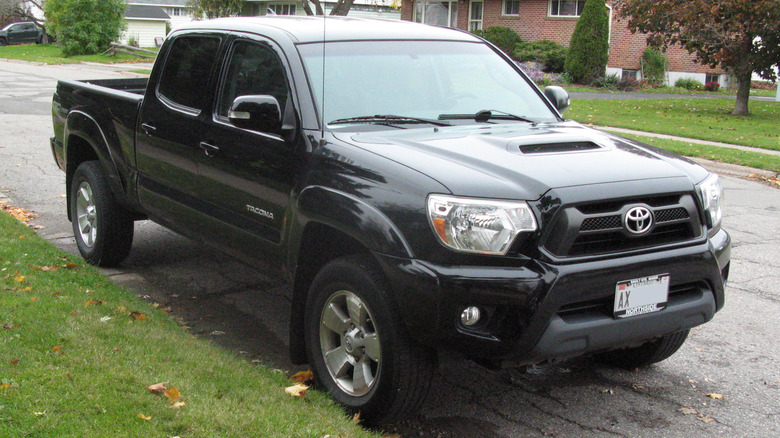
point(18, 33)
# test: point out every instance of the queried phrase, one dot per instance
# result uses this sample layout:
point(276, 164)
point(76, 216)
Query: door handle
point(148, 129)
point(209, 149)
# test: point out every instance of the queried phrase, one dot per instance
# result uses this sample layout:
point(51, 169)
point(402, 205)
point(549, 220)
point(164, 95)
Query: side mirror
point(558, 96)
point(257, 113)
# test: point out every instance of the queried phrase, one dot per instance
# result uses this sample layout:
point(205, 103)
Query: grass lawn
point(705, 119)
point(78, 352)
point(725, 155)
point(669, 90)
point(52, 54)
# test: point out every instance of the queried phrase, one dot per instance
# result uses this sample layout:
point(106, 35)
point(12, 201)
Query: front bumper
point(538, 311)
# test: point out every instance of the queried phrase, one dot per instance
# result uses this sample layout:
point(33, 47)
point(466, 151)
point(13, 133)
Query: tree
point(25, 9)
point(589, 47)
point(216, 8)
point(741, 36)
point(85, 27)
point(342, 7)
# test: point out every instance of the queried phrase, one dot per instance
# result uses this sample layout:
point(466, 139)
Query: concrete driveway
point(735, 355)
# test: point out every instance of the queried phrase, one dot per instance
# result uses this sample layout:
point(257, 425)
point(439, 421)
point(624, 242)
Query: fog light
point(470, 316)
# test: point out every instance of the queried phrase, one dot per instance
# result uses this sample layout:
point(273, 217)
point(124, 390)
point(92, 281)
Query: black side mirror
point(558, 96)
point(257, 113)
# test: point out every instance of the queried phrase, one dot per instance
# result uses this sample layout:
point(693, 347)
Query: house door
point(475, 15)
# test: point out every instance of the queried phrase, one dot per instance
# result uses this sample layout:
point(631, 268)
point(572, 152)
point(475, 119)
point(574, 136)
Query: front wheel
point(652, 352)
point(357, 346)
point(102, 228)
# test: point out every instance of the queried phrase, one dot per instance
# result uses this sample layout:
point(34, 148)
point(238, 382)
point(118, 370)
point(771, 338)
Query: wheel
point(357, 347)
point(652, 352)
point(3, 42)
point(103, 229)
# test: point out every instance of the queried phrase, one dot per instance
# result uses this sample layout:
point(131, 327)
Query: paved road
point(735, 355)
point(640, 95)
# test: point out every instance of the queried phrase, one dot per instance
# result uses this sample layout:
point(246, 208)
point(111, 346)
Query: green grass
point(715, 153)
point(669, 90)
point(705, 119)
point(72, 369)
point(52, 54)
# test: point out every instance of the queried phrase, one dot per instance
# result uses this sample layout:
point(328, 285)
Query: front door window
point(475, 15)
point(437, 13)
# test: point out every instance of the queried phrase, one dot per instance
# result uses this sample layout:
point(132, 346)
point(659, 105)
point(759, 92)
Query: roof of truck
point(306, 29)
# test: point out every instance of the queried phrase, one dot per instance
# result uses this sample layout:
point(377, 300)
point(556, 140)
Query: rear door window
point(187, 70)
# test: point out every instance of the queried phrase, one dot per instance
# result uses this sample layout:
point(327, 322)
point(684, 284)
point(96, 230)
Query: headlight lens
point(478, 225)
point(712, 201)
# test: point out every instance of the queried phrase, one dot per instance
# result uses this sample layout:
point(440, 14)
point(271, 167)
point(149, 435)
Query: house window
point(283, 8)
point(711, 78)
point(475, 15)
point(174, 12)
point(511, 7)
point(566, 8)
point(437, 13)
point(629, 74)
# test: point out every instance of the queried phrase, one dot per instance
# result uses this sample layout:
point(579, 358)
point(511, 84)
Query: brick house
point(555, 20)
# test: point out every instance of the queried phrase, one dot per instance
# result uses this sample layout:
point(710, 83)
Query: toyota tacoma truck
point(417, 189)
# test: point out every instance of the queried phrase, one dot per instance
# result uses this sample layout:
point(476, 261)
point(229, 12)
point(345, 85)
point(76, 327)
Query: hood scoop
point(554, 143)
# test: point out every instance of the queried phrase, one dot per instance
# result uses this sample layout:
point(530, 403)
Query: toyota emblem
point(638, 220)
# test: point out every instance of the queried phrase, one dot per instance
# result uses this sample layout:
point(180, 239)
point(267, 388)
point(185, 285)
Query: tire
point(652, 352)
point(3, 42)
point(102, 228)
point(351, 320)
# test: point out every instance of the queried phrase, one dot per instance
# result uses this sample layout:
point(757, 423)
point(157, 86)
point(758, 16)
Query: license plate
point(641, 295)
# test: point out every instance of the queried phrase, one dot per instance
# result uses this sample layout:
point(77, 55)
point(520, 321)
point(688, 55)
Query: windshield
point(420, 79)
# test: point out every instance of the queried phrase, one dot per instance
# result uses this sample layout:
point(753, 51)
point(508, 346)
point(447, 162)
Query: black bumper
point(538, 311)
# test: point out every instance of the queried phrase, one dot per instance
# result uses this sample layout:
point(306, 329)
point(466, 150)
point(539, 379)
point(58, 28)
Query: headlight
point(712, 201)
point(478, 225)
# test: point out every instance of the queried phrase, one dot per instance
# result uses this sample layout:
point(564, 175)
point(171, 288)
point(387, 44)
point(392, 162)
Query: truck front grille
point(598, 228)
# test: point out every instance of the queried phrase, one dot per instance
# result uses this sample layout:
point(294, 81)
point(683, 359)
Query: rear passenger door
point(247, 176)
point(173, 119)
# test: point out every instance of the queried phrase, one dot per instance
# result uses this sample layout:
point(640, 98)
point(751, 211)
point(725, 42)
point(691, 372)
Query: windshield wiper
point(388, 119)
point(485, 115)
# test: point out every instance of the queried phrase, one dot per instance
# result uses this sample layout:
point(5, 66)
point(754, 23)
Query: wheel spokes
point(371, 343)
point(334, 319)
point(338, 361)
point(362, 377)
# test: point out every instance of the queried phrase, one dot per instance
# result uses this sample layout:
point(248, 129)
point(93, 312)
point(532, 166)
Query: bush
point(589, 48)
point(502, 37)
point(689, 84)
point(653, 66)
point(712, 86)
point(542, 78)
point(608, 82)
point(549, 53)
point(628, 84)
point(763, 85)
point(85, 27)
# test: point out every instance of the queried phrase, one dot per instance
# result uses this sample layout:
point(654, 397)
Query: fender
point(83, 126)
point(351, 216)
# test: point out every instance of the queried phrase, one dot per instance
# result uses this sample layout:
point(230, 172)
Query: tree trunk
point(743, 94)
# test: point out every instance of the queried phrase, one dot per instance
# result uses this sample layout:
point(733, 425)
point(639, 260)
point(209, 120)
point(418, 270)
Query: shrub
point(712, 86)
point(763, 85)
point(628, 84)
point(132, 40)
point(542, 78)
point(653, 66)
point(689, 84)
point(609, 82)
point(549, 53)
point(589, 48)
point(85, 27)
point(502, 37)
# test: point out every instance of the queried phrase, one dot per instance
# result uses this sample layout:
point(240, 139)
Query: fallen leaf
point(34, 299)
point(302, 376)
point(178, 405)
point(297, 390)
point(714, 396)
point(5, 386)
point(688, 411)
point(94, 302)
point(56, 348)
point(48, 268)
point(106, 319)
point(70, 266)
point(356, 418)
point(19, 279)
point(56, 294)
point(139, 316)
point(705, 418)
point(15, 362)
point(8, 326)
point(38, 414)
point(143, 417)
point(157, 388)
point(27, 289)
point(172, 394)
point(62, 196)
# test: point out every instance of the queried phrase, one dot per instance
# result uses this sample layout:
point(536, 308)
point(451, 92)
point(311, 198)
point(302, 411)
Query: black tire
point(652, 352)
point(102, 228)
point(3, 42)
point(399, 370)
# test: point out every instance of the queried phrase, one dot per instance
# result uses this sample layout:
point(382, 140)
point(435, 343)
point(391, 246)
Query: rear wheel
point(102, 228)
point(3, 42)
point(358, 348)
point(652, 352)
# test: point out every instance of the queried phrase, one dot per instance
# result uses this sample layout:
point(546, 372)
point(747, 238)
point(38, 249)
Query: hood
point(523, 161)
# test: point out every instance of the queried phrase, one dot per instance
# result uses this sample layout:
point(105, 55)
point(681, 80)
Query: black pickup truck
point(417, 189)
